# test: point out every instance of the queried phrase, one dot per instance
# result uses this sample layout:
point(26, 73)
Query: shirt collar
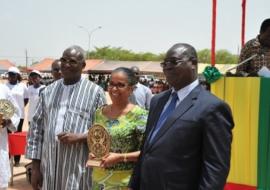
point(183, 92)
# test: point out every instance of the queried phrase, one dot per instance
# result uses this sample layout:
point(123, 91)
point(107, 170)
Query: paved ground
point(20, 182)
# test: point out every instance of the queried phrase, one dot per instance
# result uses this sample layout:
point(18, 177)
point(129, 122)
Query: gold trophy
point(99, 142)
point(7, 110)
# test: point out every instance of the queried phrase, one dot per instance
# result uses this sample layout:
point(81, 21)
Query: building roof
point(92, 63)
point(45, 65)
point(5, 64)
point(106, 66)
point(145, 66)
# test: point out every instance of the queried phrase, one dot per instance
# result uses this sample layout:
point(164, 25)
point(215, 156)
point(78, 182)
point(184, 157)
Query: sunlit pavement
point(20, 182)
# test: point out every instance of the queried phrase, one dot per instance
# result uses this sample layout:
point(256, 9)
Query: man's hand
point(36, 176)
point(71, 138)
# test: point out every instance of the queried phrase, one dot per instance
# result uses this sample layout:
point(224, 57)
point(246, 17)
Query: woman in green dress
point(125, 123)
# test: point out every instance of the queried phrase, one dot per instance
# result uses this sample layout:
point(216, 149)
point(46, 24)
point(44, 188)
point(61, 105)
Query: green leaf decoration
point(211, 74)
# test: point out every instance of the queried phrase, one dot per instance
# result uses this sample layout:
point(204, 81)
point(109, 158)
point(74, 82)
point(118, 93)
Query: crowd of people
point(164, 135)
point(61, 113)
point(156, 85)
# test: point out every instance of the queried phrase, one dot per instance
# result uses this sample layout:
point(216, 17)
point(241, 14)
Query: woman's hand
point(111, 159)
point(91, 156)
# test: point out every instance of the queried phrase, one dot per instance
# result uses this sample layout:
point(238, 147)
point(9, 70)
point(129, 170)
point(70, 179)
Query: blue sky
point(45, 28)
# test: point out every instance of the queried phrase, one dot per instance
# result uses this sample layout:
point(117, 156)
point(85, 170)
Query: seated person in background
point(260, 46)
point(160, 86)
point(125, 123)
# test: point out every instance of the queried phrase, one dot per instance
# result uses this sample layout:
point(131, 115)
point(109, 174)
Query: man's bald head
point(183, 51)
point(136, 72)
point(75, 53)
point(56, 69)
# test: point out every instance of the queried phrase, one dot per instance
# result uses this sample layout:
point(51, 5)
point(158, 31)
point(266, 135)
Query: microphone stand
point(242, 63)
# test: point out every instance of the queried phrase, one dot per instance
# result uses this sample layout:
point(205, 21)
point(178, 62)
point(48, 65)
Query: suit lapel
point(160, 103)
point(182, 108)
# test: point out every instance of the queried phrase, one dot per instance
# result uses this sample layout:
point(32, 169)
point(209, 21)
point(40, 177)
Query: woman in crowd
point(20, 95)
point(125, 123)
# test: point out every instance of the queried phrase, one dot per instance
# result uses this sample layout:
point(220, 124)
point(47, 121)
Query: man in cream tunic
point(57, 136)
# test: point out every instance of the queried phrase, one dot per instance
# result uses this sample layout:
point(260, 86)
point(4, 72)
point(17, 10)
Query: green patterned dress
point(126, 135)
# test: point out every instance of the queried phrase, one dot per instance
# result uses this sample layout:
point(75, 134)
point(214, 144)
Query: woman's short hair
point(129, 73)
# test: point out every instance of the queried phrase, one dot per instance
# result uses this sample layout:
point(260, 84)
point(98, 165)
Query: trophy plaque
point(99, 142)
point(7, 110)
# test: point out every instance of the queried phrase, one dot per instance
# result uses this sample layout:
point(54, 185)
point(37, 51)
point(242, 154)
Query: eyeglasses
point(175, 62)
point(117, 85)
point(69, 61)
point(55, 69)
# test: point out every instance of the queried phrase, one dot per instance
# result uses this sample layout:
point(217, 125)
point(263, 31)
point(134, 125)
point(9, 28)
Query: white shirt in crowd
point(33, 94)
point(19, 92)
point(141, 96)
point(4, 157)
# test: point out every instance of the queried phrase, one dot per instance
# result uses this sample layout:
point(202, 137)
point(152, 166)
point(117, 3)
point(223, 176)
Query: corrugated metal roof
point(106, 66)
point(5, 64)
point(147, 66)
point(45, 65)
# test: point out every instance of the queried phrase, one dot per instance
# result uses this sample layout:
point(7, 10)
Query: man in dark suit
point(189, 132)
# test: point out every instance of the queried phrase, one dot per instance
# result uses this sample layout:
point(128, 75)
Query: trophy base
point(93, 163)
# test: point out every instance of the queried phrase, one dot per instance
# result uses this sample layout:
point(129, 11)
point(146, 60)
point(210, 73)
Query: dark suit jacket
point(192, 149)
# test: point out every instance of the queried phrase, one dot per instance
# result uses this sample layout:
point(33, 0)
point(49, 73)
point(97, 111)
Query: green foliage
point(117, 53)
point(222, 57)
point(225, 57)
point(204, 56)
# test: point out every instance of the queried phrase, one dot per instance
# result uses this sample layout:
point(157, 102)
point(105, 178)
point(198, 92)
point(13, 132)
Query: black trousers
point(19, 129)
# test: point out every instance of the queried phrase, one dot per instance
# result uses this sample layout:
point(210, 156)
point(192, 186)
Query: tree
point(222, 57)
point(225, 57)
point(117, 53)
point(204, 56)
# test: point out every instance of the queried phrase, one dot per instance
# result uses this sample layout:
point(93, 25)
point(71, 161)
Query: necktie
point(164, 115)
